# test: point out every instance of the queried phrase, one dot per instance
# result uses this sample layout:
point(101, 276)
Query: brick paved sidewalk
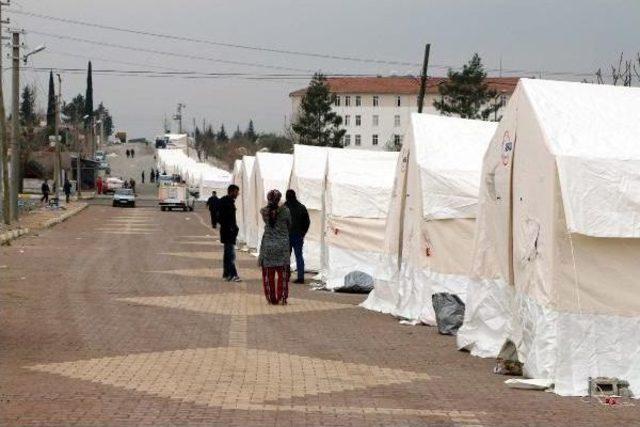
point(118, 317)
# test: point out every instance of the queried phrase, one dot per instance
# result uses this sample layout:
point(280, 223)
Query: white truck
point(176, 196)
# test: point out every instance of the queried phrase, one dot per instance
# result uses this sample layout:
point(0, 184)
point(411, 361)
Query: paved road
point(118, 317)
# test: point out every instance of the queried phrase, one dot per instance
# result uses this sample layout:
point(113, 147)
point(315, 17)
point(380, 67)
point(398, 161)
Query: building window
point(347, 120)
point(358, 140)
point(347, 101)
point(396, 120)
point(347, 140)
point(397, 140)
point(336, 101)
point(375, 119)
point(398, 101)
point(374, 139)
point(376, 100)
point(358, 101)
point(358, 120)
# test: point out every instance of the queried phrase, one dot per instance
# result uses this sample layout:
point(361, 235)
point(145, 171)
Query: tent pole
point(403, 204)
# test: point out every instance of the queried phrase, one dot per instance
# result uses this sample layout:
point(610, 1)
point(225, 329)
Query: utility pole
point(57, 170)
point(15, 124)
point(4, 152)
point(423, 77)
point(178, 116)
point(78, 167)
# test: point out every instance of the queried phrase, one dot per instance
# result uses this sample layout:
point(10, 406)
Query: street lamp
point(26, 56)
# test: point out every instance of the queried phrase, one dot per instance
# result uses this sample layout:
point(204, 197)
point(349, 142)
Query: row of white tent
point(203, 176)
point(534, 223)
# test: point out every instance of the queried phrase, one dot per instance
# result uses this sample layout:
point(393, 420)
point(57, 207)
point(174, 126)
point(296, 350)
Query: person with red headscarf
point(274, 249)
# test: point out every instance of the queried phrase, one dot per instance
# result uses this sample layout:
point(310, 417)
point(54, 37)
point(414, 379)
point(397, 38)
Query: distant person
point(132, 185)
point(300, 223)
point(152, 176)
point(45, 192)
point(157, 175)
point(99, 185)
point(125, 184)
point(229, 232)
point(143, 177)
point(67, 189)
point(133, 153)
point(275, 252)
point(128, 153)
point(212, 204)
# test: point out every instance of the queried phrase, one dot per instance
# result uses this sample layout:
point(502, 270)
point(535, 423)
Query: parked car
point(124, 197)
point(112, 184)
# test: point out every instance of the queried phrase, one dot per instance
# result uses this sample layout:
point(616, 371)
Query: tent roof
point(450, 143)
point(593, 131)
point(274, 166)
point(587, 120)
point(310, 162)
point(362, 168)
point(448, 152)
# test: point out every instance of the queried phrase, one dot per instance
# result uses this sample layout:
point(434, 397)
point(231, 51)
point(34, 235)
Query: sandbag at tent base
point(356, 282)
point(449, 310)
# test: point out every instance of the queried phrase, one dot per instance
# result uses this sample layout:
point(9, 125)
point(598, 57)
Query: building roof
point(396, 85)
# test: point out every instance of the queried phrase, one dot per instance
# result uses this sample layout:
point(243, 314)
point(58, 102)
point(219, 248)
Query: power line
point(160, 52)
point(520, 72)
point(211, 42)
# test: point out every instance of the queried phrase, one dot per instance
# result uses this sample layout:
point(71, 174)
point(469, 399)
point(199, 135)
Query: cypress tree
point(88, 98)
point(222, 134)
point(250, 134)
point(51, 105)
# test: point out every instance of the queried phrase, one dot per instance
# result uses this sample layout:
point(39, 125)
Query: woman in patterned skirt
point(274, 249)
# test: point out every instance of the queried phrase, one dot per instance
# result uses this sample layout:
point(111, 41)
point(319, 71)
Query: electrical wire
point(167, 53)
point(211, 42)
point(518, 72)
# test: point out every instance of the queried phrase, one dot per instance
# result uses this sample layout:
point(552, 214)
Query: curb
point(12, 235)
point(65, 216)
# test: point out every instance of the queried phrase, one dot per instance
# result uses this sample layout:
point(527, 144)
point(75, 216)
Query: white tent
point(237, 180)
point(271, 171)
point(437, 180)
point(358, 193)
point(213, 179)
point(308, 181)
point(558, 235)
point(203, 176)
point(248, 196)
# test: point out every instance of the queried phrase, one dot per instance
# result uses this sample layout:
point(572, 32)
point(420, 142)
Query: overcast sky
point(540, 37)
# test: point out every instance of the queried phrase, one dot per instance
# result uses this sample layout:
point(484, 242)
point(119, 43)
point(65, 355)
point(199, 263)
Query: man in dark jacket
point(67, 189)
point(212, 204)
point(45, 192)
point(226, 216)
point(300, 223)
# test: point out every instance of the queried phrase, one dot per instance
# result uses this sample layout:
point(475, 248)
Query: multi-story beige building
point(375, 111)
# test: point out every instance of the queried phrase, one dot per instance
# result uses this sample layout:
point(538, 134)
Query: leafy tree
point(275, 143)
point(317, 123)
point(103, 114)
point(237, 134)
point(51, 104)
point(74, 110)
point(250, 133)
point(466, 93)
point(28, 116)
point(222, 134)
point(88, 98)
